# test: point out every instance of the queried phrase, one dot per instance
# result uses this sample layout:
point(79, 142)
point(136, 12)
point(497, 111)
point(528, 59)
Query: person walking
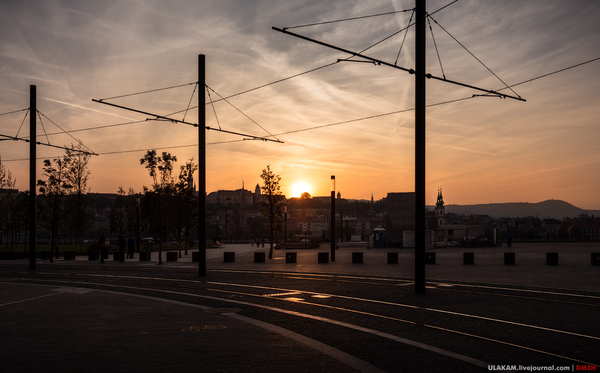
point(130, 247)
point(122, 245)
point(103, 248)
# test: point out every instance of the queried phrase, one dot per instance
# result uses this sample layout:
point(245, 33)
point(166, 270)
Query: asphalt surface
point(80, 315)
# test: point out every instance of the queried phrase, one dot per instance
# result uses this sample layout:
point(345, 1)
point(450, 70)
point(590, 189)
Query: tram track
point(355, 308)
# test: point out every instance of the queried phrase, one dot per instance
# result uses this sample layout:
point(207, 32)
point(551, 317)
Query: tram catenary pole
point(201, 167)
point(32, 173)
point(420, 102)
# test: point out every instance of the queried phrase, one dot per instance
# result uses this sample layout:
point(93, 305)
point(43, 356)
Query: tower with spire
point(439, 208)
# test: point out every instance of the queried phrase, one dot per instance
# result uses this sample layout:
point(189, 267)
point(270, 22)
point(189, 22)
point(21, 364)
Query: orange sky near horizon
point(479, 149)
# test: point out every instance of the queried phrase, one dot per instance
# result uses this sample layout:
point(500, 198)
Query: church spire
point(440, 211)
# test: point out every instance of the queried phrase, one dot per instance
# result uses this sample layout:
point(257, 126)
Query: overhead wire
point(23, 121)
point(16, 111)
point(436, 48)
point(404, 39)
point(244, 114)
point(189, 103)
point(43, 127)
point(275, 82)
point(552, 73)
point(77, 140)
point(349, 19)
point(399, 31)
point(327, 125)
point(465, 48)
point(213, 106)
point(369, 117)
point(315, 69)
point(149, 91)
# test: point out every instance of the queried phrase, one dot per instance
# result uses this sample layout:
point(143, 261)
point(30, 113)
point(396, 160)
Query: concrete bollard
point(323, 257)
point(259, 257)
point(229, 257)
point(468, 258)
point(552, 259)
point(392, 258)
point(290, 257)
point(357, 258)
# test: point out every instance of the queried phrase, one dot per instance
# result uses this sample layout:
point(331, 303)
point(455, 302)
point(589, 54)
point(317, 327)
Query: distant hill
point(556, 209)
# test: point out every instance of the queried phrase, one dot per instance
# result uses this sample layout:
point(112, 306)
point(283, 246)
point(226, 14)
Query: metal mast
point(201, 167)
point(32, 173)
point(420, 146)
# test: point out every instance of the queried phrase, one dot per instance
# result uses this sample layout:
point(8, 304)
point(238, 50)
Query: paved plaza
point(52, 321)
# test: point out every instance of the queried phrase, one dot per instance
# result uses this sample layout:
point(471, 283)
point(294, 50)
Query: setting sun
point(300, 188)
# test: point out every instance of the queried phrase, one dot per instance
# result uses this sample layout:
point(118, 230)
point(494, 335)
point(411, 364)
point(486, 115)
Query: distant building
point(232, 197)
point(445, 232)
point(400, 214)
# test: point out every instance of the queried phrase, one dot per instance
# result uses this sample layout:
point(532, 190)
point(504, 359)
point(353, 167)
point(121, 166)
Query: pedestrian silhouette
point(103, 248)
point(122, 245)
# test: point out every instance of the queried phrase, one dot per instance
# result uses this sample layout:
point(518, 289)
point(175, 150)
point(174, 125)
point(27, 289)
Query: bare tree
point(271, 203)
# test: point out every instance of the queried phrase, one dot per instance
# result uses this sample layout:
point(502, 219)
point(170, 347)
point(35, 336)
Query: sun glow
point(300, 188)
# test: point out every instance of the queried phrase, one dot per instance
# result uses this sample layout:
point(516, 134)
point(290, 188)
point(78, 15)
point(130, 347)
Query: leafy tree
point(186, 204)
point(52, 193)
point(158, 200)
point(130, 207)
point(77, 175)
point(271, 203)
point(7, 199)
point(305, 195)
point(117, 213)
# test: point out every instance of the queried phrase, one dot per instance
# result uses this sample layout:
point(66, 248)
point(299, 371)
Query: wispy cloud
point(482, 149)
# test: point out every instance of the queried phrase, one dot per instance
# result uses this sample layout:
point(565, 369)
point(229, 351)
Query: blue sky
point(479, 150)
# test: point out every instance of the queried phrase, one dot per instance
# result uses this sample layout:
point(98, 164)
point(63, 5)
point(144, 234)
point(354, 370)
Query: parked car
point(452, 244)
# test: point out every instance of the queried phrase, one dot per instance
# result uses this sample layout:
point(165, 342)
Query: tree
point(52, 193)
point(7, 199)
point(271, 203)
point(305, 195)
point(7, 202)
point(130, 211)
point(158, 204)
point(118, 213)
point(77, 175)
point(186, 218)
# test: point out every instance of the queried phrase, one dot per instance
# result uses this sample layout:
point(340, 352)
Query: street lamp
point(137, 223)
point(285, 223)
point(332, 218)
point(347, 239)
point(218, 228)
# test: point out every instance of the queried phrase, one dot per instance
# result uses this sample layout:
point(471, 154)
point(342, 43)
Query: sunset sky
point(479, 150)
